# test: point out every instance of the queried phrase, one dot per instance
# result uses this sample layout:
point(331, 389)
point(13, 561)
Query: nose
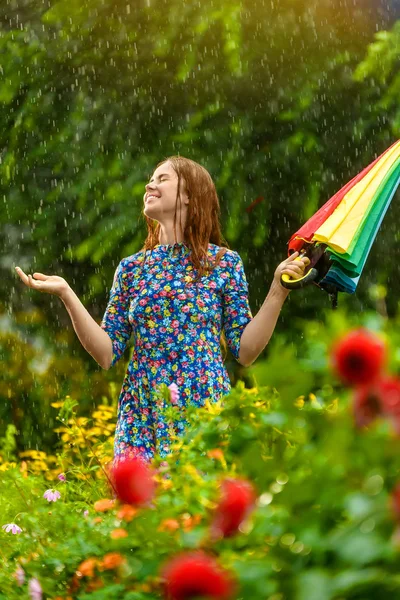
point(150, 187)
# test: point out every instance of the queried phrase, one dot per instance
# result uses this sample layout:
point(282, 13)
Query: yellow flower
point(7, 466)
point(333, 407)
point(191, 470)
point(57, 404)
point(102, 415)
point(34, 454)
point(105, 407)
point(214, 408)
point(299, 402)
point(95, 431)
point(166, 484)
point(39, 465)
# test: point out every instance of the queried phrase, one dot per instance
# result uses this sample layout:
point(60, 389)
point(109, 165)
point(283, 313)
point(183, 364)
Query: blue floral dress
point(176, 325)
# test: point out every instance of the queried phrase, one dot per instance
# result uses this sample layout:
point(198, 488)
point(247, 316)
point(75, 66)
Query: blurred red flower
point(133, 481)
point(196, 574)
point(359, 357)
point(380, 398)
point(366, 405)
point(236, 502)
point(389, 393)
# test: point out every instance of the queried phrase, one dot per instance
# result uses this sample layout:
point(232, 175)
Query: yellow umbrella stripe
point(340, 228)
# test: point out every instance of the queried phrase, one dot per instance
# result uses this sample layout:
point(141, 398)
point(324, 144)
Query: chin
point(151, 214)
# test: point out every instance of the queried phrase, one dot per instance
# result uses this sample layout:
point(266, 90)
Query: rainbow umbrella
point(338, 238)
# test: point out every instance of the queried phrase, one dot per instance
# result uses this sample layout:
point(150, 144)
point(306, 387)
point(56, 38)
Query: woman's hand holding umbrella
point(294, 267)
point(258, 331)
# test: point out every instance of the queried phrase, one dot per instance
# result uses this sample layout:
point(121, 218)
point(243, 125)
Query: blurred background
point(282, 101)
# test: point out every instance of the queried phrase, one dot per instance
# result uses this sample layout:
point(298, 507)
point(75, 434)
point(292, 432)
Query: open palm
point(50, 284)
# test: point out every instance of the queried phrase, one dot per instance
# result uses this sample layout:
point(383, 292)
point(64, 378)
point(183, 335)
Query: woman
point(177, 296)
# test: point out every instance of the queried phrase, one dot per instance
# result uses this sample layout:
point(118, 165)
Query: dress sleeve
point(236, 309)
point(116, 317)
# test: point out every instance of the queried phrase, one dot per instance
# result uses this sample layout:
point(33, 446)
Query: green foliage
point(284, 101)
point(35, 375)
point(94, 96)
point(323, 527)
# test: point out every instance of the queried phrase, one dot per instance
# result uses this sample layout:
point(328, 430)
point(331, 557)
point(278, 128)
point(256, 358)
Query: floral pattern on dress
point(176, 325)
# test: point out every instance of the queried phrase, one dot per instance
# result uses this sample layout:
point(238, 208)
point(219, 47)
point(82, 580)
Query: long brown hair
point(202, 225)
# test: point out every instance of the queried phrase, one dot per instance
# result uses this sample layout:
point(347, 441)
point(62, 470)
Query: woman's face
point(160, 196)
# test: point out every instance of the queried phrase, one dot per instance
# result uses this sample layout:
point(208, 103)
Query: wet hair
point(202, 225)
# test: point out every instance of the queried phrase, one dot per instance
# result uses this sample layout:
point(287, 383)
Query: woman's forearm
point(258, 332)
point(92, 337)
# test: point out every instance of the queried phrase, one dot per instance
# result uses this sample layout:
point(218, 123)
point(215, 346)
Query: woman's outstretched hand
point(292, 267)
point(50, 284)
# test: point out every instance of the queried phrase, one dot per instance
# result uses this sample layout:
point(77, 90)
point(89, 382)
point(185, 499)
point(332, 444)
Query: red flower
point(389, 392)
point(359, 357)
point(236, 502)
point(196, 574)
point(366, 405)
point(380, 398)
point(133, 481)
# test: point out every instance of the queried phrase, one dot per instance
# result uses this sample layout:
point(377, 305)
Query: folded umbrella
point(339, 237)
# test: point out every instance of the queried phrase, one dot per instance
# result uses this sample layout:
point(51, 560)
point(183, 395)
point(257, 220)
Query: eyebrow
point(159, 176)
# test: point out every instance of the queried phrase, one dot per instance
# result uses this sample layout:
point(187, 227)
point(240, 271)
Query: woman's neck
point(167, 235)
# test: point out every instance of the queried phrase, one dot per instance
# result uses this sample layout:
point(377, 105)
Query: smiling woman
point(177, 296)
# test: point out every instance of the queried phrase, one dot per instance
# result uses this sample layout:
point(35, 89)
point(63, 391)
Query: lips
point(151, 197)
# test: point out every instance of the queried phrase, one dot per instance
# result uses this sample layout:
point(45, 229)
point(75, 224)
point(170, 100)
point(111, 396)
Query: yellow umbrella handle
point(294, 284)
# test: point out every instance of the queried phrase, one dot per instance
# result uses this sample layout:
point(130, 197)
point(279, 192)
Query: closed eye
point(162, 177)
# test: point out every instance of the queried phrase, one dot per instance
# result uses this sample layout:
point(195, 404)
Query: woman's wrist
point(63, 295)
point(277, 290)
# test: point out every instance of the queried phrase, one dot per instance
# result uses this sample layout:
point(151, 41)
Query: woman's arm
point(259, 330)
point(92, 337)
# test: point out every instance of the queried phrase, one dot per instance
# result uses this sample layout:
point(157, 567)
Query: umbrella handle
point(294, 284)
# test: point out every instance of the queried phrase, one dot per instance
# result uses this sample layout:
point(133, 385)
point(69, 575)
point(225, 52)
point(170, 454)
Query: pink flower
point(62, 477)
point(19, 575)
point(11, 527)
point(52, 495)
point(85, 513)
point(173, 388)
point(35, 589)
